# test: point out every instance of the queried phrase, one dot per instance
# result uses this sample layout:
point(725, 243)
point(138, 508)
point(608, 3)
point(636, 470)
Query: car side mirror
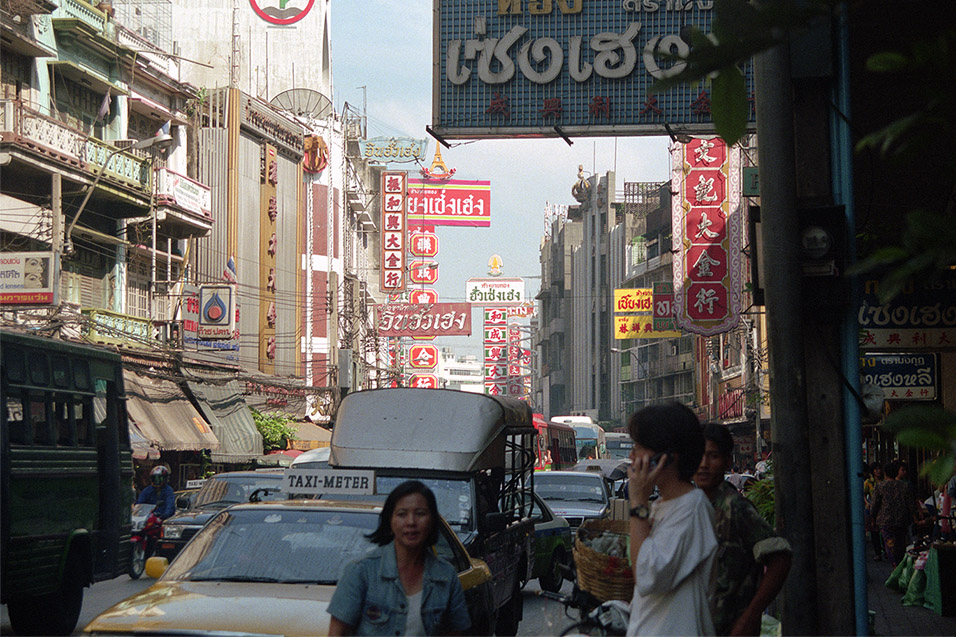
point(182, 502)
point(496, 521)
point(156, 566)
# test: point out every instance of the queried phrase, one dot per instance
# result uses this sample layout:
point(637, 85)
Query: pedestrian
point(869, 486)
point(752, 560)
point(672, 540)
point(401, 587)
point(894, 509)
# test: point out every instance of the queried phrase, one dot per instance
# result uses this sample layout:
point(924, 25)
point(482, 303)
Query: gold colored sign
point(639, 326)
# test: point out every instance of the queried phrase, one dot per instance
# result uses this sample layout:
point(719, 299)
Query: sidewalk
point(892, 618)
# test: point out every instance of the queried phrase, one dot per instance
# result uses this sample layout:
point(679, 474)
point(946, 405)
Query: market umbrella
point(611, 469)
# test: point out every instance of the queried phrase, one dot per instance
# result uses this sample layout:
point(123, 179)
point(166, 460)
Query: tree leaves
point(927, 427)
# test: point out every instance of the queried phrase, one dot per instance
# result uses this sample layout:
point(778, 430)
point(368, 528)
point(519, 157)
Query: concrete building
point(463, 373)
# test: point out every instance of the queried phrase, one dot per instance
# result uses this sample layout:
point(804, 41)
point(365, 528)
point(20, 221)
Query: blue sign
point(901, 376)
point(506, 68)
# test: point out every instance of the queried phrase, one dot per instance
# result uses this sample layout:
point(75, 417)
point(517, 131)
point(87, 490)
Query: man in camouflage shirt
point(752, 561)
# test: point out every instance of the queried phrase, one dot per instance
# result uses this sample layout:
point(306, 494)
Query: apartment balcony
point(42, 142)
point(83, 19)
point(18, 31)
point(183, 205)
point(112, 328)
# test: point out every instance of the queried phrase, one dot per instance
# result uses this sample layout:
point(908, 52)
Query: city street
point(541, 616)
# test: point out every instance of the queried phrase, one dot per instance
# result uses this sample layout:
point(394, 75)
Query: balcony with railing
point(31, 132)
point(183, 205)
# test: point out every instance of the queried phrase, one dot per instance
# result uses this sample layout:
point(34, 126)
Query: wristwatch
point(641, 512)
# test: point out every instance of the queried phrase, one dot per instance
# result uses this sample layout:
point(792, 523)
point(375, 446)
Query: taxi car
point(217, 493)
point(270, 568)
point(552, 546)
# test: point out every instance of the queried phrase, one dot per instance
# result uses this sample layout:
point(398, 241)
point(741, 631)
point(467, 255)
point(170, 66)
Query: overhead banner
point(565, 67)
point(423, 319)
point(449, 202)
point(29, 278)
point(707, 226)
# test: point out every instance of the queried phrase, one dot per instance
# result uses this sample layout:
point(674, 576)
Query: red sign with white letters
point(394, 231)
point(423, 244)
point(423, 356)
point(423, 381)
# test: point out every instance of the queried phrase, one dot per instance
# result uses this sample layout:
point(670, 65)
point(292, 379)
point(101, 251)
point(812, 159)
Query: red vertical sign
point(708, 232)
point(394, 231)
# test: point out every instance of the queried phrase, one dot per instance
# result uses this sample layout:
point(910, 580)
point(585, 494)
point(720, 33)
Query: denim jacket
point(370, 596)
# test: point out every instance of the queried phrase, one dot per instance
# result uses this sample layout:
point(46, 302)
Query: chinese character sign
point(394, 231)
point(708, 235)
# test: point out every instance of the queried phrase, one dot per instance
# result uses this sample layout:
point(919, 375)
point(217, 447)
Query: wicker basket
point(604, 576)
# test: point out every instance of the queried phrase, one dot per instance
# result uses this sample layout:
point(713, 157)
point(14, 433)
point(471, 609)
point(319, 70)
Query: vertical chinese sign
point(708, 235)
point(423, 269)
point(496, 350)
point(268, 247)
point(394, 231)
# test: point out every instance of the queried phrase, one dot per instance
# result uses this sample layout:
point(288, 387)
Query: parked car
point(216, 494)
point(270, 568)
point(574, 495)
point(552, 545)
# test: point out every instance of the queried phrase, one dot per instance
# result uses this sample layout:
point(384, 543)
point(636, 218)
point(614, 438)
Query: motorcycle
point(146, 526)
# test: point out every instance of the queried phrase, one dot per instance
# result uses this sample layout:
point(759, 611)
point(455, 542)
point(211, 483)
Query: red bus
point(554, 446)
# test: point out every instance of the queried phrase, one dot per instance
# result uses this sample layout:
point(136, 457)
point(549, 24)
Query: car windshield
point(568, 488)
point(287, 546)
point(224, 489)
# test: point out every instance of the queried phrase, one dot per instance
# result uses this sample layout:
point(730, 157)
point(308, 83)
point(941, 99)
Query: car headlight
point(172, 531)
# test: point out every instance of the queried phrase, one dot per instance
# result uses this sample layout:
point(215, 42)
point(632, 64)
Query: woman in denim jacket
point(401, 587)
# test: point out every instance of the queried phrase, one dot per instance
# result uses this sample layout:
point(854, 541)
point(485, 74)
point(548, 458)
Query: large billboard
point(450, 202)
point(29, 278)
point(503, 68)
point(431, 319)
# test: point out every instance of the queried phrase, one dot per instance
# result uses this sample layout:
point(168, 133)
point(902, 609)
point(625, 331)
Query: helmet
point(159, 475)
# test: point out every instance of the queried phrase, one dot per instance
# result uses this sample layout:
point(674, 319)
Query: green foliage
point(276, 430)
point(761, 493)
point(927, 427)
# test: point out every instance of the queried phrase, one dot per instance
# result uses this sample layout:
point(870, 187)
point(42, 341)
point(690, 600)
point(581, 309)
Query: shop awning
point(224, 407)
point(165, 416)
point(310, 436)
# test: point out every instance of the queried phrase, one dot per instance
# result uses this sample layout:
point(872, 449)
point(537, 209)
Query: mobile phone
point(656, 458)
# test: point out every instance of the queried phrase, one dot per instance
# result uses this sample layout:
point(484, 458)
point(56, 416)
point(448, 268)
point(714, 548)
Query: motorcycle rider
point(159, 493)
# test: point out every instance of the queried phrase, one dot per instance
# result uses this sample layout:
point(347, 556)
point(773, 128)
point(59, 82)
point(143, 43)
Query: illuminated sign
point(707, 226)
point(450, 202)
point(217, 312)
point(394, 231)
point(524, 67)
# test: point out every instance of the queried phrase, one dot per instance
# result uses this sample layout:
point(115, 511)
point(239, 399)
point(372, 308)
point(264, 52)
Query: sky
point(386, 46)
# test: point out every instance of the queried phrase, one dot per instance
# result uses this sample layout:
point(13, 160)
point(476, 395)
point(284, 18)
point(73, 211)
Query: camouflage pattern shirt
point(744, 540)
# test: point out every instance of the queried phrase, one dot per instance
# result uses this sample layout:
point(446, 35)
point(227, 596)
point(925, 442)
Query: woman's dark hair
point(671, 428)
point(892, 469)
point(876, 465)
point(719, 435)
point(383, 534)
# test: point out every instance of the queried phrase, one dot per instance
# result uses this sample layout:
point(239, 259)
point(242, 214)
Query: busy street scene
point(477, 317)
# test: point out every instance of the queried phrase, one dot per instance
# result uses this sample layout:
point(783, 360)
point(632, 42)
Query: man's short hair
point(670, 428)
point(720, 436)
point(892, 469)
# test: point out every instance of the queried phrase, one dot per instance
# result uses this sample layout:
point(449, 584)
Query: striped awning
point(224, 407)
point(164, 415)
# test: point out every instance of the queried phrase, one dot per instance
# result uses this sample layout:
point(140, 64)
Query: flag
point(229, 274)
point(105, 106)
point(164, 129)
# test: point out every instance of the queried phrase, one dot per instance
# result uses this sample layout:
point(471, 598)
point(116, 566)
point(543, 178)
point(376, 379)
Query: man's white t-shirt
point(672, 569)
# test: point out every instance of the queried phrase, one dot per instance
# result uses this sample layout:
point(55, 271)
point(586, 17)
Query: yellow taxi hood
point(227, 608)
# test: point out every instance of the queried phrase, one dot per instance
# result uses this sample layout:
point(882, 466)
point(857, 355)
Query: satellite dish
point(303, 101)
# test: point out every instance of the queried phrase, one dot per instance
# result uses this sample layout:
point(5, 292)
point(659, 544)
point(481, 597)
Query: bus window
point(81, 374)
point(39, 421)
point(61, 371)
point(82, 416)
point(61, 419)
point(39, 372)
point(16, 423)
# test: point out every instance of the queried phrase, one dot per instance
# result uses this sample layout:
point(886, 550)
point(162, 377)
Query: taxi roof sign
point(328, 482)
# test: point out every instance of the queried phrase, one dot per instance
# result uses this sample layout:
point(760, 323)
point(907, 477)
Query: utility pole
point(56, 243)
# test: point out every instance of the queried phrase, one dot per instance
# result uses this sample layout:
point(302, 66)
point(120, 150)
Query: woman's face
point(412, 521)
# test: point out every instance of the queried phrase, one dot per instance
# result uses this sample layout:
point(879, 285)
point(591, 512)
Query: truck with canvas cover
point(476, 452)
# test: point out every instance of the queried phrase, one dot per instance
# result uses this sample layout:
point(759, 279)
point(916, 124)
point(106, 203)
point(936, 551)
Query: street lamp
point(161, 141)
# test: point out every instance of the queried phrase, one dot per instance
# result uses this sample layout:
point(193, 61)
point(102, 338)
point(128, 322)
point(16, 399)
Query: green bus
point(66, 471)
